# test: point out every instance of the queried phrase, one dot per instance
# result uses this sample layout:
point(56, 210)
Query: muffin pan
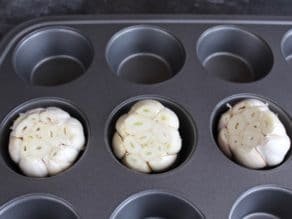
point(97, 67)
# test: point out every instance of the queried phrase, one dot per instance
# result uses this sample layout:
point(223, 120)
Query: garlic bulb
point(147, 137)
point(45, 141)
point(253, 135)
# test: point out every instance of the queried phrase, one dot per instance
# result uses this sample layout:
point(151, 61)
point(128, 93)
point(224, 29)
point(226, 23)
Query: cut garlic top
point(45, 141)
point(147, 137)
point(253, 135)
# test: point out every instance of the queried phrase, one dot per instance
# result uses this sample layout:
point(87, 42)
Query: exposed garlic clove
point(32, 166)
point(271, 124)
point(120, 126)
point(167, 117)
point(135, 123)
point(73, 130)
point(249, 158)
point(223, 140)
point(54, 115)
point(163, 163)
point(147, 108)
point(118, 146)
point(274, 149)
point(224, 120)
point(134, 161)
point(60, 158)
point(243, 105)
point(131, 145)
point(236, 124)
point(14, 148)
point(174, 141)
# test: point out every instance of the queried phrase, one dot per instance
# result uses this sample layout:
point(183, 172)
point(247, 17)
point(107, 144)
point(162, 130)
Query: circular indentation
point(286, 47)
point(233, 54)
point(263, 202)
point(32, 104)
point(156, 205)
point(222, 107)
point(187, 128)
point(37, 206)
point(145, 55)
point(52, 56)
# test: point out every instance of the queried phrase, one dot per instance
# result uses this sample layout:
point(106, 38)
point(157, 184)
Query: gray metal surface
point(204, 179)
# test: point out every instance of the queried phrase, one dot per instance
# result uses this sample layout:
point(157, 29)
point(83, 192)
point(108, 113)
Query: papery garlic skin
point(45, 141)
point(147, 138)
point(253, 135)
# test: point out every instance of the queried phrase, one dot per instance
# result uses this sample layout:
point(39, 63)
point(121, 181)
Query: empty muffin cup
point(234, 55)
point(187, 127)
point(36, 206)
point(156, 205)
point(8, 121)
point(224, 105)
point(145, 55)
point(286, 47)
point(263, 202)
point(52, 56)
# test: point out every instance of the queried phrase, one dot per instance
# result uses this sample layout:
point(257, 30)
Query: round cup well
point(52, 56)
point(145, 55)
point(234, 55)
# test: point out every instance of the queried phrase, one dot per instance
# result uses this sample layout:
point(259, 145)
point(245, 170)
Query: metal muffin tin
point(97, 67)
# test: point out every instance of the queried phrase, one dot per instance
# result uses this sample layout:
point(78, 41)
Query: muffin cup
point(52, 56)
point(35, 206)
